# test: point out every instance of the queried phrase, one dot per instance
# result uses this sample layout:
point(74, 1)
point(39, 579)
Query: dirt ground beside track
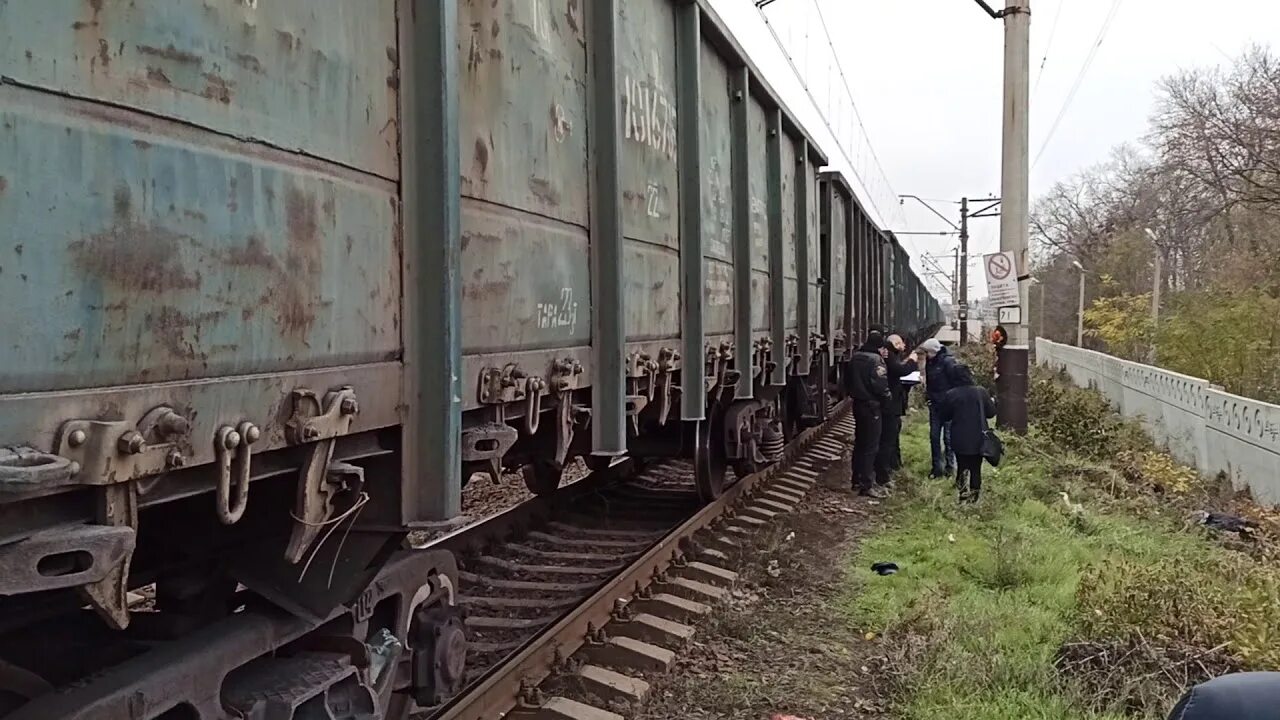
point(781, 645)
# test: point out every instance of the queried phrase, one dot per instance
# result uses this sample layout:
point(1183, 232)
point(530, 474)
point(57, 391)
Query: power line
point(1053, 32)
point(844, 80)
point(1102, 34)
point(870, 185)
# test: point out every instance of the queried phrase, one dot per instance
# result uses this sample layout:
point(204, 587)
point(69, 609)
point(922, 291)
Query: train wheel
point(542, 477)
point(708, 460)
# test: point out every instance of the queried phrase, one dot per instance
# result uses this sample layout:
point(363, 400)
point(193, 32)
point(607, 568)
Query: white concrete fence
point(1201, 425)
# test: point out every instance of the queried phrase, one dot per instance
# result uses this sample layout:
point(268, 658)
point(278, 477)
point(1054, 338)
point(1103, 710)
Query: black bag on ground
point(992, 447)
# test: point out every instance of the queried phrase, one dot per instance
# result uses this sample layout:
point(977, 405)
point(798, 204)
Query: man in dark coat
point(889, 458)
point(867, 383)
point(967, 407)
point(1238, 696)
point(938, 368)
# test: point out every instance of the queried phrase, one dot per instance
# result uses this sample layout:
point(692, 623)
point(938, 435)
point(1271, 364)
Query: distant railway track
point(594, 586)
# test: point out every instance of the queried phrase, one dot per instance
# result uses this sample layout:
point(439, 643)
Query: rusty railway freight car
point(278, 276)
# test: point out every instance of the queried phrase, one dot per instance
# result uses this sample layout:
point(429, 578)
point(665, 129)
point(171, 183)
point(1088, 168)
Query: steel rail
point(500, 691)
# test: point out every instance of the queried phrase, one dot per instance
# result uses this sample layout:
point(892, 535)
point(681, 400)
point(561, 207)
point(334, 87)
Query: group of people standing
point(958, 413)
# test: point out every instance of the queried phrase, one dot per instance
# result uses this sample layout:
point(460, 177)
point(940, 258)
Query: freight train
point(278, 276)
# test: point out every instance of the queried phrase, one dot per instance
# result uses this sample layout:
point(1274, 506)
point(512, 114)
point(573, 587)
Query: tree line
point(1200, 193)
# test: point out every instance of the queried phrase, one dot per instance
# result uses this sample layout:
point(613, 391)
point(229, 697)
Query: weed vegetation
point(1077, 588)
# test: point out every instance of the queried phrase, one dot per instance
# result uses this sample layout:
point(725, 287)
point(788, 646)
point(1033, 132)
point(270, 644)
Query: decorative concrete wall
point(1200, 424)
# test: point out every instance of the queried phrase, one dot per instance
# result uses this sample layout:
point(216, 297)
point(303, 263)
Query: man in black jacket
point(938, 371)
point(867, 383)
point(889, 457)
point(968, 407)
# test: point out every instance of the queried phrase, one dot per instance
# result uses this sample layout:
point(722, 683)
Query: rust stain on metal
point(300, 212)
point(4, 184)
point(494, 29)
point(482, 156)
point(158, 77)
point(249, 62)
point(474, 56)
point(217, 88)
point(169, 52)
point(286, 39)
point(135, 256)
point(104, 52)
point(295, 309)
point(253, 254)
point(544, 190)
point(142, 144)
point(488, 238)
point(171, 326)
point(482, 287)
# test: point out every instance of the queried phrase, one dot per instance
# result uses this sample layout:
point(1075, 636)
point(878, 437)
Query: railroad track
point(573, 598)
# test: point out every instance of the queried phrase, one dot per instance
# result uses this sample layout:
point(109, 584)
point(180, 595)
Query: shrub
point(1145, 631)
point(981, 361)
point(1074, 418)
point(1158, 471)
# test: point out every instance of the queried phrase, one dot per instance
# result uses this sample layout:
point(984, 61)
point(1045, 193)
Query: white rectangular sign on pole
point(1002, 279)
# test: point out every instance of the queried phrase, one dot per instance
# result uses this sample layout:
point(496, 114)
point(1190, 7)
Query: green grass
point(987, 595)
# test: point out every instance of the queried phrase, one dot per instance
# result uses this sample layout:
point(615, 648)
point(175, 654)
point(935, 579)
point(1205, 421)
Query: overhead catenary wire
point(1075, 87)
point(871, 184)
point(1053, 32)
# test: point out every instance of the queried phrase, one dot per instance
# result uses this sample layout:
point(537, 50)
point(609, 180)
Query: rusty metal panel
point(790, 287)
point(758, 184)
point(788, 209)
point(717, 201)
point(525, 281)
point(839, 261)
point(760, 301)
point(652, 291)
point(791, 284)
point(316, 76)
point(141, 250)
point(646, 67)
point(812, 241)
point(524, 106)
point(718, 313)
point(715, 122)
point(523, 119)
point(757, 134)
point(649, 175)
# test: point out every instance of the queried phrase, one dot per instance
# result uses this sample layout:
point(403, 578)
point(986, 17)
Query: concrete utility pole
point(1011, 364)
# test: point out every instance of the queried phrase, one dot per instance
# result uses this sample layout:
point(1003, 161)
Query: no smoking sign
point(1002, 280)
point(998, 266)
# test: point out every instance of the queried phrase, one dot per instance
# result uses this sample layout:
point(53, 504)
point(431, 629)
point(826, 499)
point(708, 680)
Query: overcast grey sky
point(926, 79)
